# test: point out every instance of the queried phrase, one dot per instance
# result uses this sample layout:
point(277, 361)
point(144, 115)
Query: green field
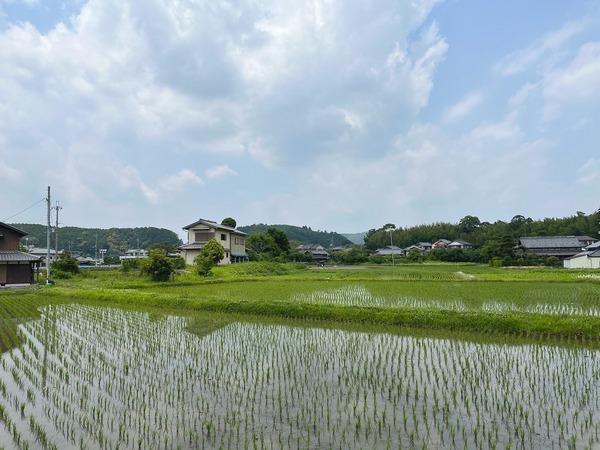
point(544, 302)
point(281, 356)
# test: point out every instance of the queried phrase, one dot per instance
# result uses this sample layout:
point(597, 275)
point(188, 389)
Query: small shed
point(16, 267)
point(584, 260)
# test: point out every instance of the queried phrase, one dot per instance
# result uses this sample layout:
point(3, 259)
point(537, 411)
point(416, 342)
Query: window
point(202, 236)
point(223, 237)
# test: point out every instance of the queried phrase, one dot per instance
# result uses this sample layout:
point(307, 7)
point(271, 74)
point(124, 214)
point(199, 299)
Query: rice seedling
point(103, 378)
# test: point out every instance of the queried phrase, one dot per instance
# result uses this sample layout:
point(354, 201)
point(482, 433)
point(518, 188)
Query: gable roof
point(11, 228)
point(16, 256)
point(589, 254)
point(551, 242)
point(594, 246)
point(586, 238)
point(460, 242)
point(218, 226)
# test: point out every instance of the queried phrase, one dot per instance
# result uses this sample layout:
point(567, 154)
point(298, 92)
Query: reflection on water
point(358, 295)
point(100, 378)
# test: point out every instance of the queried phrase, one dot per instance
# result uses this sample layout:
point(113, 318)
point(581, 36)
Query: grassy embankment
point(539, 302)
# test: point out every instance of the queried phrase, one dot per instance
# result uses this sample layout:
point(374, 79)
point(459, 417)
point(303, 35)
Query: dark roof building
point(316, 252)
point(16, 267)
point(460, 244)
point(390, 250)
point(559, 246)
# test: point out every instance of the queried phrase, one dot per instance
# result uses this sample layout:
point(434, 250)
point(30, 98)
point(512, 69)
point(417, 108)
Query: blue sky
point(337, 114)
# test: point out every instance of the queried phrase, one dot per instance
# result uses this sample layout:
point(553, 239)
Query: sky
point(336, 114)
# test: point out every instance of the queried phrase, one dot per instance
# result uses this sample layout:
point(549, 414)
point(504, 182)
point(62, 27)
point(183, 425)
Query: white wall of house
point(582, 262)
point(232, 243)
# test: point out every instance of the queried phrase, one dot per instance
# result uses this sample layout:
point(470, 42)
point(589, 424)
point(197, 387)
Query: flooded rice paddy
point(101, 378)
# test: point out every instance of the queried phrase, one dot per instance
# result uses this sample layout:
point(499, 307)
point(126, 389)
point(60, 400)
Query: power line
point(26, 209)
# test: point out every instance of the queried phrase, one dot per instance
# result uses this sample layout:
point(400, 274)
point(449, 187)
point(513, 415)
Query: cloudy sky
point(337, 114)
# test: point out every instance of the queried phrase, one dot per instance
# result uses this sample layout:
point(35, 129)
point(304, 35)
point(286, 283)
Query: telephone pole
point(48, 226)
point(57, 208)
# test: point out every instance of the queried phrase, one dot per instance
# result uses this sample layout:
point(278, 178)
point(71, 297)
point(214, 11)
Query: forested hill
point(471, 229)
point(304, 235)
point(115, 240)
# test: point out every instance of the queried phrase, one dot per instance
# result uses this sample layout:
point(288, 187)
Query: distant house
point(16, 267)
point(464, 245)
point(202, 231)
point(589, 259)
point(559, 246)
point(421, 247)
point(134, 253)
point(426, 246)
point(389, 251)
point(41, 253)
point(441, 243)
point(316, 252)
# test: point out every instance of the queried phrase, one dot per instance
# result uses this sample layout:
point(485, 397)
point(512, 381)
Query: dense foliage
point(270, 245)
point(303, 235)
point(471, 229)
point(229, 222)
point(211, 254)
point(64, 266)
point(158, 265)
point(115, 240)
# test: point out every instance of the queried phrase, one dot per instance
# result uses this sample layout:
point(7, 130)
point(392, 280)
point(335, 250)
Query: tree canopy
point(229, 222)
point(472, 229)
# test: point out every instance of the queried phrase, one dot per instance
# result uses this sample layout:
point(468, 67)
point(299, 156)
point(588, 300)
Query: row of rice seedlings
point(358, 295)
point(102, 378)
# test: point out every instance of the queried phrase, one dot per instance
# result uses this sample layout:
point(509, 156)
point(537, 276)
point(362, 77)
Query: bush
point(553, 261)
point(178, 262)
point(127, 265)
point(212, 253)
point(61, 275)
point(496, 262)
point(66, 264)
point(158, 265)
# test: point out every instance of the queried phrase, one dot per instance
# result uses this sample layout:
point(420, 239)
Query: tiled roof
point(595, 245)
point(15, 256)
point(10, 227)
point(216, 225)
point(192, 246)
point(589, 254)
point(550, 242)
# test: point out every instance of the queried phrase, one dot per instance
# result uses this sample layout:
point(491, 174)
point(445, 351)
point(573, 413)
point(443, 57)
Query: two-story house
point(16, 267)
point(202, 231)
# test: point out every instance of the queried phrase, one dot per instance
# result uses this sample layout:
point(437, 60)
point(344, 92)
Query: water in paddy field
point(99, 378)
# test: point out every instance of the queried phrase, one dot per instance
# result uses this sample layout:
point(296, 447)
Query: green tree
point(212, 253)
point(66, 264)
point(281, 240)
point(158, 265)
point(229, 222)
point(468, 224)
point(261, 246)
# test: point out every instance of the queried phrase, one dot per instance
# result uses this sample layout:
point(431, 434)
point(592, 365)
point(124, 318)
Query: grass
point(455, 297)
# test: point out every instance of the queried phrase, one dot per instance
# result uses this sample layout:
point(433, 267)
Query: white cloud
point(463, 107)
point(131, 89)
point(489, 170)
point(578, 82)
point(180, 181)
point(540, 51)
point(220, 171)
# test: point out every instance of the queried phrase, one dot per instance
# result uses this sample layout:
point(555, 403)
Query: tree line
point(82, 241)
point(473, 230)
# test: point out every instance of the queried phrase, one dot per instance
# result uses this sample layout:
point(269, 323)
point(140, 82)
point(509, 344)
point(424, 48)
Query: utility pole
point(48, 225)
point(57, 208)
point(391, 231)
